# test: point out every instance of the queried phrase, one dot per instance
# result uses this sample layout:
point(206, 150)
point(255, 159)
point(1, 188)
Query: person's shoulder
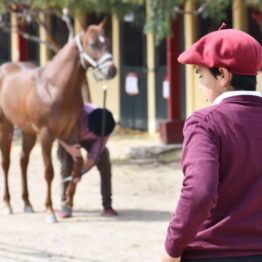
point(88, 108)
point(203, 113)
point(201, 119)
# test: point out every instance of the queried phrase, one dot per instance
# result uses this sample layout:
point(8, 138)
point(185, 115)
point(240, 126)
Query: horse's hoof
point(7, 211)
point(28, 209)
point(50, 219)
point(65, 212)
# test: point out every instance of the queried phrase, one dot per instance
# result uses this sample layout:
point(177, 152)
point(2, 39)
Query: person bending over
point(96, 124)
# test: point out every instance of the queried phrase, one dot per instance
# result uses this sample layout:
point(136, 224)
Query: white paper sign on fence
point(166, 90)
point(131, 84)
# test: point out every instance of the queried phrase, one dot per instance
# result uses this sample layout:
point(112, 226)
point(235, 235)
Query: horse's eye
point(93, 45)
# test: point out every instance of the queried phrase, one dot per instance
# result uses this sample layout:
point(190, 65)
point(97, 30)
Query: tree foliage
point(159, 12)
point(80, 6)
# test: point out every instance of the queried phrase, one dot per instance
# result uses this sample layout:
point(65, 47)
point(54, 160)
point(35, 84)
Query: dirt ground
point(144, 193)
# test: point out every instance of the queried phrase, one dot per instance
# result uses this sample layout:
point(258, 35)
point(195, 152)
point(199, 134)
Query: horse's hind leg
point(6, 135)
point(28, 143)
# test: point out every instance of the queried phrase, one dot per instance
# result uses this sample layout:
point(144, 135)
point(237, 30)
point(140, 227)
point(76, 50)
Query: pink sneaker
point(110, 212)
point(65, 212)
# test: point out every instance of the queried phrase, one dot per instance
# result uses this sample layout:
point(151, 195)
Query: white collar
point(235, 93)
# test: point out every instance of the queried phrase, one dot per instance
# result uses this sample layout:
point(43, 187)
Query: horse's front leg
point(28, 142)
point(6, 134)
point(71, 186)
point(70, 191)
point(46, 140)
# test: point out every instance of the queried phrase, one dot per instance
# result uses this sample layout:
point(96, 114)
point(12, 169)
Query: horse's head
point(94, 50)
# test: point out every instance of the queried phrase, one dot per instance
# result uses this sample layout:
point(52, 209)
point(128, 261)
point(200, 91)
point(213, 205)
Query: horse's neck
point(68, 52)
point(64, 71)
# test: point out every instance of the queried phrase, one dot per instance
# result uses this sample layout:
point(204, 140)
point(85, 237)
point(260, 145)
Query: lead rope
point(103, 124)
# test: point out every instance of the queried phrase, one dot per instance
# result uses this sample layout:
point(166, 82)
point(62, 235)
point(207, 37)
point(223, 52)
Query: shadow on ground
point(22, 253)
point(129, 215)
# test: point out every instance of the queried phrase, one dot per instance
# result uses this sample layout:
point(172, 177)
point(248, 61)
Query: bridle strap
point(103, 61)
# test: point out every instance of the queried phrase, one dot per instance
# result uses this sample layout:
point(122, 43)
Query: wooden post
point(173, 72)
point(19, 51)
point(22, 44)
point(44, 50)
point(171, 130)
point(151, 99)
point(239, 13)
point(193, 94)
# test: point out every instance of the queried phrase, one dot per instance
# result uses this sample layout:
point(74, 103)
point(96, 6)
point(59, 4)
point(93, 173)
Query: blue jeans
point(225, 259)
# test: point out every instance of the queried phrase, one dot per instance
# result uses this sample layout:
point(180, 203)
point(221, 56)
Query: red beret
point(235, 50)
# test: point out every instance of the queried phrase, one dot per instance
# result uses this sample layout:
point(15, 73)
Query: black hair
point(95, 122)
point(239, 82)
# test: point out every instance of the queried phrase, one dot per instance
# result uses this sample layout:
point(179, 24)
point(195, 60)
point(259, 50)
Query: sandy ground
point(145, 194)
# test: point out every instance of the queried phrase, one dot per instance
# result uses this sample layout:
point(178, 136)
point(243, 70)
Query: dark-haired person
point(218, 217)
point(94, 135)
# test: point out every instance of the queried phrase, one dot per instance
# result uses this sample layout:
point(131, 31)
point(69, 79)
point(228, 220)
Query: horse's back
point(12, 69)
point(16, 77)
point(18, 70)
point(15, 67)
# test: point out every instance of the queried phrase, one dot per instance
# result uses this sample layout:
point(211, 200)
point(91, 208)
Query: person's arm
point(97, 147)
point(167, 258)
point(88, 164)
point(74, 150)
point(200, 163)
point(94, 152)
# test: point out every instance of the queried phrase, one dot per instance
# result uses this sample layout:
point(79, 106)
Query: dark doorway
point(133, 62)
point(160, 80)
point(5, 43)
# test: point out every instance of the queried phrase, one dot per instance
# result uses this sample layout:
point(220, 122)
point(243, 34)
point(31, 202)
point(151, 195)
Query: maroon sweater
point(219, 212)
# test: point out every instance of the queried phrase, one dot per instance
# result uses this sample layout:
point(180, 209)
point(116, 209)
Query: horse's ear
point(103, 23)
point(81, 27)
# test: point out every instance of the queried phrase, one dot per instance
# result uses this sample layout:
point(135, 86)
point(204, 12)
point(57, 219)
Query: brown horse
point(46, 101)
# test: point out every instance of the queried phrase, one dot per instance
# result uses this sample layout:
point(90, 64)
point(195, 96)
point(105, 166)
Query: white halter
point(103, 61)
